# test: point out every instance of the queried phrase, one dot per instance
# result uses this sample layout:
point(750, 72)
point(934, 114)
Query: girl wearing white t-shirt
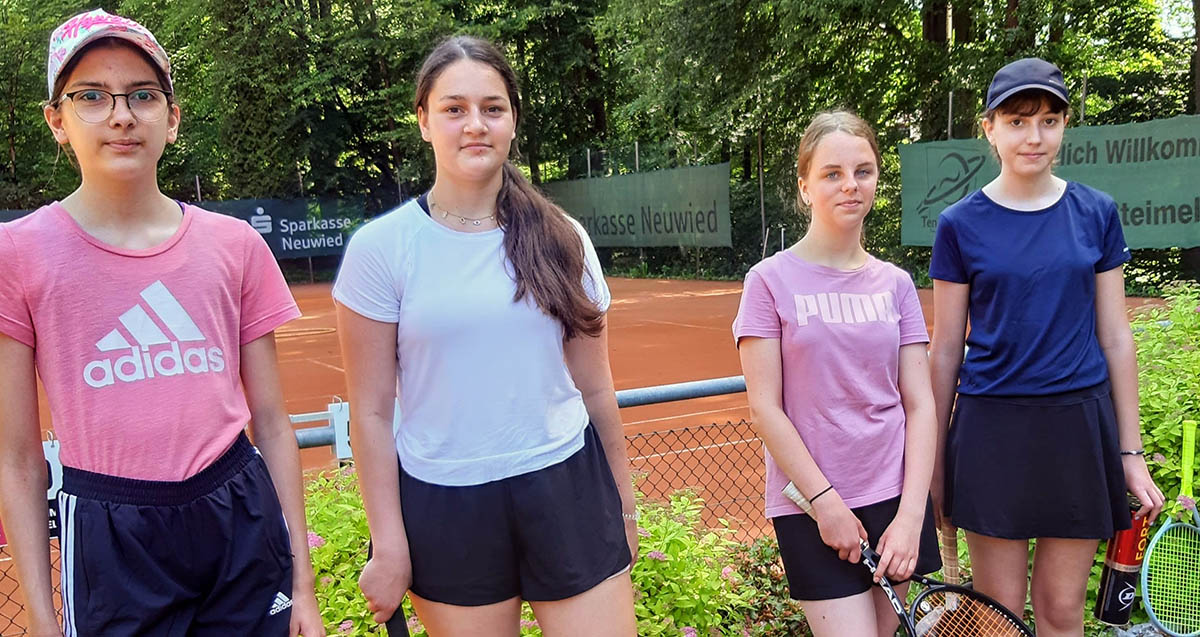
point(483, 303)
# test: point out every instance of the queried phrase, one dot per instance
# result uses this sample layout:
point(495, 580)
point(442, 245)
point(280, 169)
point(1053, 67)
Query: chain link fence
point(720, 462)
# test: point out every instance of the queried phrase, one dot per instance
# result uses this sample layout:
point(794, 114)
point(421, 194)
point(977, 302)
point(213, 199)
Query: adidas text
point(142, 363)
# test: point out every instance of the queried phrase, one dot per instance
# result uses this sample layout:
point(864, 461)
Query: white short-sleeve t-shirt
point(484, 390)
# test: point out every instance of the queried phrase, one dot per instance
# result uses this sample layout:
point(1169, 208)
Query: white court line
point(675, 324)
point(691, 449)
point(695, 413)
point(333, 367)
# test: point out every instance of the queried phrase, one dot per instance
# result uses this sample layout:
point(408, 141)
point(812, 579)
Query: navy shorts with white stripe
point(209, 555)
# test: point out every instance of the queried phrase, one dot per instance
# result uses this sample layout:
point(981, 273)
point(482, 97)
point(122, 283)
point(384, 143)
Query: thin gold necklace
point(475, 221)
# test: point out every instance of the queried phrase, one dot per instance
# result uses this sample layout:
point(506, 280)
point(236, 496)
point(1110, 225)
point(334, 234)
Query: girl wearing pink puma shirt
point(832, 343)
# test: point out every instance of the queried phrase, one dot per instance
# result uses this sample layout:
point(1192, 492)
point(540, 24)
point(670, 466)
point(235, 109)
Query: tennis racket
point(944, 610)
point(950, 573)
point(1171, 571)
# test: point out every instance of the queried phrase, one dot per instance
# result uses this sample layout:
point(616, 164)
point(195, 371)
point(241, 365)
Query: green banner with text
point(678, 207)
point(1151, 169)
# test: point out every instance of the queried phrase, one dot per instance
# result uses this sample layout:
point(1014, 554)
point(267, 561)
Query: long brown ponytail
point(539, 239)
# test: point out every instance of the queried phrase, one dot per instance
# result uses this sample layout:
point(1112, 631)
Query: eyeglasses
point(94, 105)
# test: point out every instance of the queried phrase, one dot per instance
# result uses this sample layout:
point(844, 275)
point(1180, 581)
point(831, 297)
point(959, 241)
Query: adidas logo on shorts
point(167, 358)
point(281, 604)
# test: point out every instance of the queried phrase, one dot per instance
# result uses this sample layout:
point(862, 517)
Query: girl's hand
point(1141, 485)
point(384, 581)
point(840, 529)
point(898, 548)
point(306, 616)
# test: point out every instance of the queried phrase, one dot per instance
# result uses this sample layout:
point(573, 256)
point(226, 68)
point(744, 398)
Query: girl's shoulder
point(1087, 197)
point(43, 224)
point(399, 223)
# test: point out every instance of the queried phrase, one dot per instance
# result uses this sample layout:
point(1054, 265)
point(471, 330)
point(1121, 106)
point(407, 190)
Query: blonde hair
point(834, 121)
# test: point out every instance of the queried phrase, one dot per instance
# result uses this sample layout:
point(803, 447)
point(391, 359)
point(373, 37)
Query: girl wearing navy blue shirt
point(1044, 440)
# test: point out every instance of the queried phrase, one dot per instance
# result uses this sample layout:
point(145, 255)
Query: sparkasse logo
point(154, 353)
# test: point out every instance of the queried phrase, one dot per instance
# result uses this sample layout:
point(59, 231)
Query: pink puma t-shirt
point(138, 350)
point(840, 334)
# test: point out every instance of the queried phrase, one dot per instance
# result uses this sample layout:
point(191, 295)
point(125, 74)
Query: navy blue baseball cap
point(1025, 74)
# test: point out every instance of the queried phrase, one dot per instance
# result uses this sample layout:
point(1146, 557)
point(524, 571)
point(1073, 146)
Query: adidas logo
point(281, 604)
point(167, 358)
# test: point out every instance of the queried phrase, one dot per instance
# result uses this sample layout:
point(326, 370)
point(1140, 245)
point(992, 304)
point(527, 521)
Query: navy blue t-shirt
point(1032, 278)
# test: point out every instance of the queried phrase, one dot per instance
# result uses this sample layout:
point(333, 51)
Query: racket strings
point(951, 614)
point(1173, 579)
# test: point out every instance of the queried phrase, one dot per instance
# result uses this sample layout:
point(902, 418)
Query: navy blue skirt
point(1021, 467)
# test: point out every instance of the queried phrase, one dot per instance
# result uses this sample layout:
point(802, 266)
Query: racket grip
point(397, 626)
point(949, 542)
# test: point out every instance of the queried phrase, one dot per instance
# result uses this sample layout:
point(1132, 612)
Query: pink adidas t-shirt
point(840, 333)
point(139, 349)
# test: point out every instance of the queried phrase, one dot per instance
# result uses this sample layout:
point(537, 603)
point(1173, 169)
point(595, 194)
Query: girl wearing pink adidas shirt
point(832, 343)
point(150, 324)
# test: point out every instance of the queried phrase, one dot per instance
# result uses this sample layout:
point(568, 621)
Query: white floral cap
point(74, 34)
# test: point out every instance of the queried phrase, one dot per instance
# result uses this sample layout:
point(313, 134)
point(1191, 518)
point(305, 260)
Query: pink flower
point(727, 573)
point(1158, 458)
point(315, 541)
point(1188, 503)
point(345, 627)
point(657, 555)
point(529, 623)
point(688, 631)
point(414, 625)
point(643, 532)
point(326, 580)
point(348, 470)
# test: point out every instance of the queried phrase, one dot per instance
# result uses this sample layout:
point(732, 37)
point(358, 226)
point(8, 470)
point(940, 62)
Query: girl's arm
point(945, 359)
point(23, 484)
point(587, 361)
point(275, 439)
point(899, 544)
point(369, 354)
point(1116, 341)
point(763, 367)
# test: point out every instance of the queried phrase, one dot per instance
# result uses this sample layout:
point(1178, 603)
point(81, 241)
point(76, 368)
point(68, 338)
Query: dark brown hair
point(540, 240)
point(1027, 103)
point(838, 120)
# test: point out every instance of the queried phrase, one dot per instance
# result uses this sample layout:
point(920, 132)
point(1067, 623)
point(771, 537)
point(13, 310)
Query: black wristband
point(826, 490)
point(1134, 452)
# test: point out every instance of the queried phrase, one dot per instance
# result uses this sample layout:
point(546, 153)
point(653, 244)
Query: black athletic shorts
point(206, 556)
point(541, 536)
point(815, 571)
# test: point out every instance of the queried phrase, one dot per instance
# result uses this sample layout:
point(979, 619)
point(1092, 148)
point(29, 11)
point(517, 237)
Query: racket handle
point(949, 542)
point(397, 626)
point(1189, 455)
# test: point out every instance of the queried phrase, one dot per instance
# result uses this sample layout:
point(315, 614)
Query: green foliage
point(772, 612)
point(1168, 342)
point(685, 576)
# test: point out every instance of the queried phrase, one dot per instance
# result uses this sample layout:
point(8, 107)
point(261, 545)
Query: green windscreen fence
point(1151, 169)
point(678, 207)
